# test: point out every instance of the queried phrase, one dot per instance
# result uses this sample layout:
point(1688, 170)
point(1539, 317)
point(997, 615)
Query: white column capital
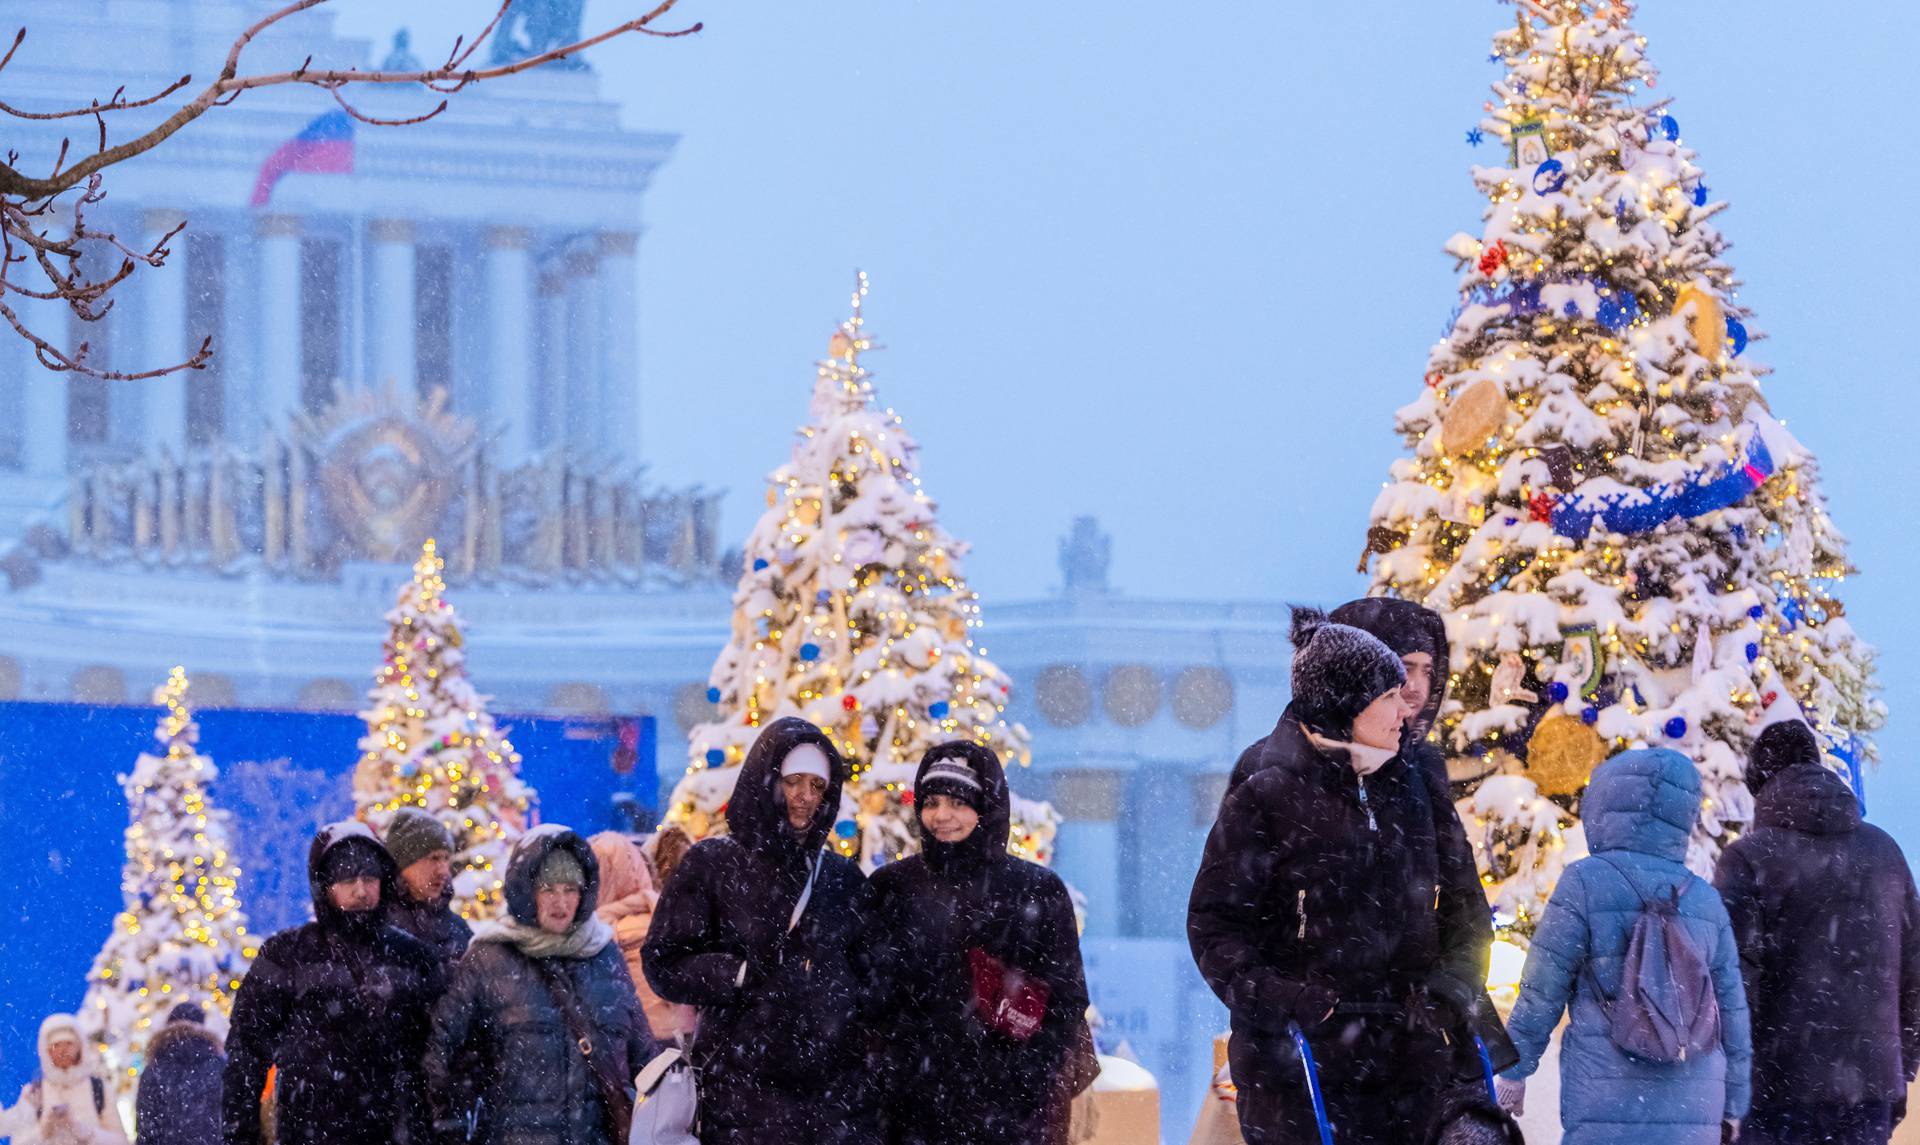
point(619, 244)
point(278, 226)
point(509, 238)
point(390, 230)
point(160, 220)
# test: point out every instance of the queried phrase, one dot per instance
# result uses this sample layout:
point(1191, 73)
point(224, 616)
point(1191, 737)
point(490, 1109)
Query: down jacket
point(1639, 812)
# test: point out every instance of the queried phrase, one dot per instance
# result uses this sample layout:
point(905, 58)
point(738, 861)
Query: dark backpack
point(1667, 1010)
point(99, 1098)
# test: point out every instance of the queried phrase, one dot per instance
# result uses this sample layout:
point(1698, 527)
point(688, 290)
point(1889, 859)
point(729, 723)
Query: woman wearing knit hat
point(757, 928)
point(976, 957)
point(541, 1033)
point(1322, 904)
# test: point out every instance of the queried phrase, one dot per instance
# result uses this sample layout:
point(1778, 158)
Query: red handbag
point(1008, 1000)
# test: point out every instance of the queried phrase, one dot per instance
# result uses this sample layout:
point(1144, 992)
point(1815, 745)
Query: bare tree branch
point(30, 225)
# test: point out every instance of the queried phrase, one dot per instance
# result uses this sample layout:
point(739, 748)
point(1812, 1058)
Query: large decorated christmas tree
point(182, 936)
point(852, 613)
point(1629, 548)
point(431, 743)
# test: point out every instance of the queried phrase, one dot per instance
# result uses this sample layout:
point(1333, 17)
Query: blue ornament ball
point(1675, 727)
point(938, 709)
point(823, 596)
point(1737, 334)
point(759, 563)
point(846, 828)
point(1753, 653)
point(1670, 127)
point(1756, 612)
point(1558, 692)
point(713, 695)
point(1589, 715)
point(715, 757)
point(809, 651)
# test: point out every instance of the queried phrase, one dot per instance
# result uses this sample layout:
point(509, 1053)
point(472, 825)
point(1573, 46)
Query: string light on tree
point(181, 935)
point(431, 743)
point(1629, 549)
point(852, 612)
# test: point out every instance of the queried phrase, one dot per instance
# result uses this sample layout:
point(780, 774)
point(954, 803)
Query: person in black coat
point(422, 849)
point(779, 1052)
point(976, 960)
point(505, 1055)
point(178, 1099)
point(1825, 911)
point(1329, 898)
point(340, 1006)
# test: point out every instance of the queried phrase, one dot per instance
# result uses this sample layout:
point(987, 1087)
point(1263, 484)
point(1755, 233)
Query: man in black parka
point(341, 1007)
point(1330, 898)
point(1825, 911)
point(422, 903)
point(779, 1052)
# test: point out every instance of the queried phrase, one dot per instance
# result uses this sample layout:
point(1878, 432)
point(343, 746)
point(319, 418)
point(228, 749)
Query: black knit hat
point(355, 857)
point(1779, 747)
point(946, 771)
point(188, 1012)
point(1337, 671)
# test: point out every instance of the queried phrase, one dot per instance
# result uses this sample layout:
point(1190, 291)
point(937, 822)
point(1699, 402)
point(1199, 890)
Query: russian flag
point(323, 147)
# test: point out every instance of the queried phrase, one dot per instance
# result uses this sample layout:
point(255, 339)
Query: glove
point(1729, 1132)
point(1313, 1005)
point(1511, 1094)
point(1900, 1109)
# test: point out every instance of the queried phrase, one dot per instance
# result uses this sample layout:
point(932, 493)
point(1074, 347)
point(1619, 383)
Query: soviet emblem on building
point(389, 463)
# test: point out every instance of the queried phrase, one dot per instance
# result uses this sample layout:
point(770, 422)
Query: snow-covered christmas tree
point(852, 613)
point(182, 936)
point(431, 743)
point(1629, 548)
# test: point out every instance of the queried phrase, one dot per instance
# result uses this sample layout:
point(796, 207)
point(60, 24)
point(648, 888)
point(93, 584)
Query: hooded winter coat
point(341, 1006)
point(178, 1100)
point(1638, 812)
point(627, 899)
point(1828, 923)
point(948, 1078)
point(1322, 890)
point(433, 923)
point(91, 1117)
point(502, 1054)
point(779, 1051)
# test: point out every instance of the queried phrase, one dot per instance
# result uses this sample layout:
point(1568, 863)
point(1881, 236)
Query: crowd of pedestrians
point(1337, 912)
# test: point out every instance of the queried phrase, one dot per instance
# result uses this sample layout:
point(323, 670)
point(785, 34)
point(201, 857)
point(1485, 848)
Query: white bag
point(666, 1104)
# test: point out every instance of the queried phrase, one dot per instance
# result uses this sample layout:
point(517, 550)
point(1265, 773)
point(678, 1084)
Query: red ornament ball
point(850, 702)
point(1494, 257)
point(906, 797)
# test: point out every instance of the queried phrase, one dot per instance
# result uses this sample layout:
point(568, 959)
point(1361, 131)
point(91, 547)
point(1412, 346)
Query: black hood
point(989, 840)
point(1809, 799)
point(523, 869)
point(348, 833)
point(756, 811)
point(1405, 627)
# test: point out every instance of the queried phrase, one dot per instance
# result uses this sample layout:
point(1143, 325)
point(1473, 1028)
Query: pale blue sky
point(1176, 264)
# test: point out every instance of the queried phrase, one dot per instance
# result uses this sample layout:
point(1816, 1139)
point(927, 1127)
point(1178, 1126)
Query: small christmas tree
point(182, 936)
point(431, 744)
point(1628, 548)
point(852, 613)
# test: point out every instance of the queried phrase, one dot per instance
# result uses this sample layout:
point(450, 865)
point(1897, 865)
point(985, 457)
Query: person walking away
point(68, 1104)
point(538, 1039)
point(422, 848)
point(1824, 909)
point(338, 1008)
point(1639, 811)
point(1322, 905)
point(627, 899)
point(976, 961)
point(178, 1098)
point(756, 929)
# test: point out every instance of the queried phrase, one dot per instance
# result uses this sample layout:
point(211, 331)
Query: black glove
point(1313, 1005)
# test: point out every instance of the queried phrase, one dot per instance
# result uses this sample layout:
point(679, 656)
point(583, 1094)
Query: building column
point(586, 354)
point(278, 305)
point(44, 436)
point(554, 387)
point(512, 398)
point(1086, 846)
point(165, 288)
point(390, 303)
point(620, 343)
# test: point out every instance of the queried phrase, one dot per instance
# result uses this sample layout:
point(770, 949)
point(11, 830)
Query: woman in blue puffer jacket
point(1638, 812)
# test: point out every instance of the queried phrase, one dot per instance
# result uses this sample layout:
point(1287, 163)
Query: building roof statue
point(1085, 553)
point(535, 26)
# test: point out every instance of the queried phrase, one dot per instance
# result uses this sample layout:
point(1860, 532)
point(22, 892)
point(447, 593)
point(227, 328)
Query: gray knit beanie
point(1337, 671)
point(414, 834)
point(560, 869)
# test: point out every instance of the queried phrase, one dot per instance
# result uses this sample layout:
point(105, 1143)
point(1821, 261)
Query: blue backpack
point(1667, 1010)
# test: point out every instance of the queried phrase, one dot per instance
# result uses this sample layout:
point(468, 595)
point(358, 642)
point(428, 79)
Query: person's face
point(426, 878)
point(65, 1051)
point(1379, 726)
point(1419, 686)
point(803, 794)
point(356, 894)
point(950, 819)
point(557, 905)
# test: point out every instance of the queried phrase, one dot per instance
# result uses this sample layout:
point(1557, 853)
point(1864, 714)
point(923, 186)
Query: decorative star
point(1476, 137)
point(1520, 86)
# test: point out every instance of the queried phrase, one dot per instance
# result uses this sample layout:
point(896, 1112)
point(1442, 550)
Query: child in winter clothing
point(67, 1104)
point(1639, 812)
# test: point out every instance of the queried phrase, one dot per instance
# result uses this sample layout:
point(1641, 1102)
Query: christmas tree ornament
point(1700, 310)
point(1508, 677)
point(1562, 753)
point(1474, 416)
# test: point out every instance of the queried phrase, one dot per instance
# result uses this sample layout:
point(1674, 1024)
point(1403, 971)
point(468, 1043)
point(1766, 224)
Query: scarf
point(1363, 759)
point(586, 939)
point(639, 902)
